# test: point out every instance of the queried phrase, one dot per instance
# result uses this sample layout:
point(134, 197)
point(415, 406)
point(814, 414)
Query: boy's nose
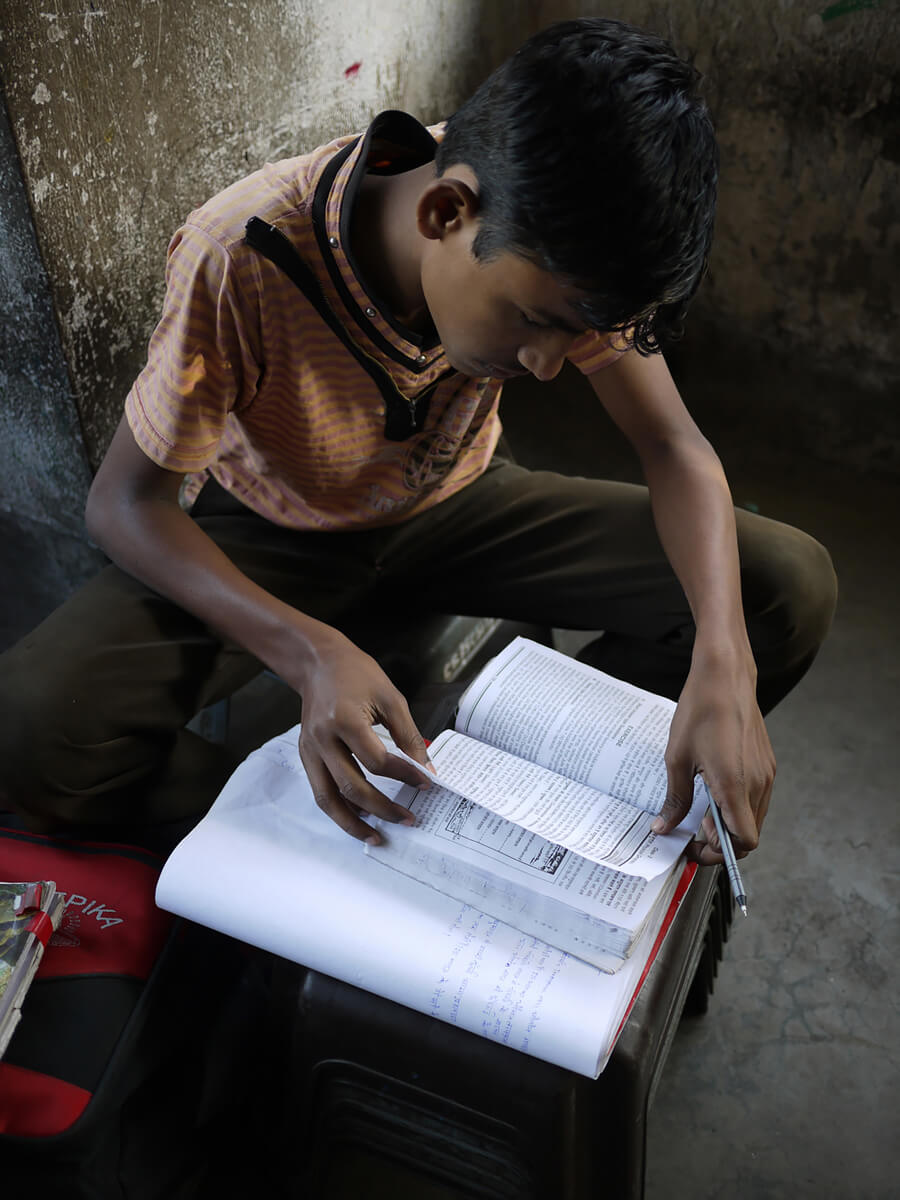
point(544, 359)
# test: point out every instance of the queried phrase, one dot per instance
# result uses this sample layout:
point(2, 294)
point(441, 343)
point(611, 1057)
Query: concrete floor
point(787, 1087)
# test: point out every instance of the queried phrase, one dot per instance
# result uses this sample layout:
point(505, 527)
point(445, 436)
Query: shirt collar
point(394, 142)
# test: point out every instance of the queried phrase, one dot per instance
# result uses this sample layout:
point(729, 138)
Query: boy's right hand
point(133, 513)
point(345, 692)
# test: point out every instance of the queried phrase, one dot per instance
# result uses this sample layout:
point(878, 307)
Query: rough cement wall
point(804, 282)
point(806, 100)
point(128, 115)
point(47, 465)
point(808, 239)
point(43, 469)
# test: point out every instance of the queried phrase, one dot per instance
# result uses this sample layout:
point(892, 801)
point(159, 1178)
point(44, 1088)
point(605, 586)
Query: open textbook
point(541, 813)
point(265, 865)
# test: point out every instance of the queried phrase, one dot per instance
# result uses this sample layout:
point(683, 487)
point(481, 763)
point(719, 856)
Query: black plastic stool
point(381, 1100)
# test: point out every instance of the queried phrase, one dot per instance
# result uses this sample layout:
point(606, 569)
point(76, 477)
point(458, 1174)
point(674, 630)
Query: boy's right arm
point(134, 516)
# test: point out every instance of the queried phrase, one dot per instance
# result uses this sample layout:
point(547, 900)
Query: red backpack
point(135, 1053)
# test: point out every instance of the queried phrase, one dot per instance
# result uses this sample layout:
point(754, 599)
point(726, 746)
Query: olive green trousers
point(96, 699)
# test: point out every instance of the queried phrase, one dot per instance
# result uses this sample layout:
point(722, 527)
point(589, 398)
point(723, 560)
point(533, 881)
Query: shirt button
point(370, 312)
point(420, 358)
point(332, 241)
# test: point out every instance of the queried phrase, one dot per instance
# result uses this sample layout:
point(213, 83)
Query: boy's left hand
point(718, 730)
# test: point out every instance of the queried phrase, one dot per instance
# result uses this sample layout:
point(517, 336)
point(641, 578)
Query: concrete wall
point(44, 472)
point(39, 427)
point(126, 116)
point(801, 302)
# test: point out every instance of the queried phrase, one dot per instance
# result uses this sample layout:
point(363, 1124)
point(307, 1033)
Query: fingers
point(705, 848)
point(743, 807)
point(402, 728)
point(343, 793)
point(340, 787)
point(343, 698)
point(737, 803)
point(765, 756)
point(375, 757)
point(718, 731)
point(739, 773)
point(679, 796)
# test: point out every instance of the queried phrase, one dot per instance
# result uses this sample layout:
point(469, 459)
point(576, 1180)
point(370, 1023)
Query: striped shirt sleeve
point(199, 364)
point(593, 351)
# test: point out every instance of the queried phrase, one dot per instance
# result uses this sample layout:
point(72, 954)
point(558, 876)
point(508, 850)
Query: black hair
point(596, 159)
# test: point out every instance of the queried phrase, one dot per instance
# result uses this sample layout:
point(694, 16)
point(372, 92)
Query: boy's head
point(595, 160)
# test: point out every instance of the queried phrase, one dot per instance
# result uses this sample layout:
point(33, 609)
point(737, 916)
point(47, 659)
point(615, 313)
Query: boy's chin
point(459, 362)
point(468, 366)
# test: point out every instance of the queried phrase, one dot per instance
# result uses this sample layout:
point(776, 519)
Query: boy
point(322, 389)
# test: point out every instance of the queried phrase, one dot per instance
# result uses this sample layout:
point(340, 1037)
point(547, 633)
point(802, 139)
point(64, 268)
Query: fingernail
point(430, 766)
point(374, 840)
point(658, 825)
point(409, 819)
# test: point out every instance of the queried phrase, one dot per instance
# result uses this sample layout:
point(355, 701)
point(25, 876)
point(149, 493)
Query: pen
point(734, 875)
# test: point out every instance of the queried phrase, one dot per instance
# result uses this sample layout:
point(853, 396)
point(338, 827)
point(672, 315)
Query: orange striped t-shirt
point(248, 382)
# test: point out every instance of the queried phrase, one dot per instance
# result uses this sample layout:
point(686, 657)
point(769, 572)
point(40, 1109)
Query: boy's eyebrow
point(557, 321)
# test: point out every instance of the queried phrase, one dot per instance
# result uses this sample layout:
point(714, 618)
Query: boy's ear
point(446, 205)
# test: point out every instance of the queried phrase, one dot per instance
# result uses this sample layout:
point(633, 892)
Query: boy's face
point(498, 318)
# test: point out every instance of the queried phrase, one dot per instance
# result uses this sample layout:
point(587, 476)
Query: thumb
point(677, 804)
point(405, 733)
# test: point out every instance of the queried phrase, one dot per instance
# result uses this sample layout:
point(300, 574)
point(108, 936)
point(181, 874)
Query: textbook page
point(456, 838)
point(265, 865)
point(592, 823)
point(540, 888)
point(542, 705)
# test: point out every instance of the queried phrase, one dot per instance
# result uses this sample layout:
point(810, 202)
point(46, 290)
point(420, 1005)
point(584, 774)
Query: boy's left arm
point(717, 727)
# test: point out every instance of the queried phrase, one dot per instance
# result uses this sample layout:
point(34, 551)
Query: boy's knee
point(40, 741)
point(818, 589)
point(809, 587)
point(790, 591)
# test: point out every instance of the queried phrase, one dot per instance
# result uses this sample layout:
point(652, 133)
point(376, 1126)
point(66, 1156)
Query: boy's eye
point(531, 321)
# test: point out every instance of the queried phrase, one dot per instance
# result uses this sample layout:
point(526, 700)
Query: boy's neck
point(386, 244)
